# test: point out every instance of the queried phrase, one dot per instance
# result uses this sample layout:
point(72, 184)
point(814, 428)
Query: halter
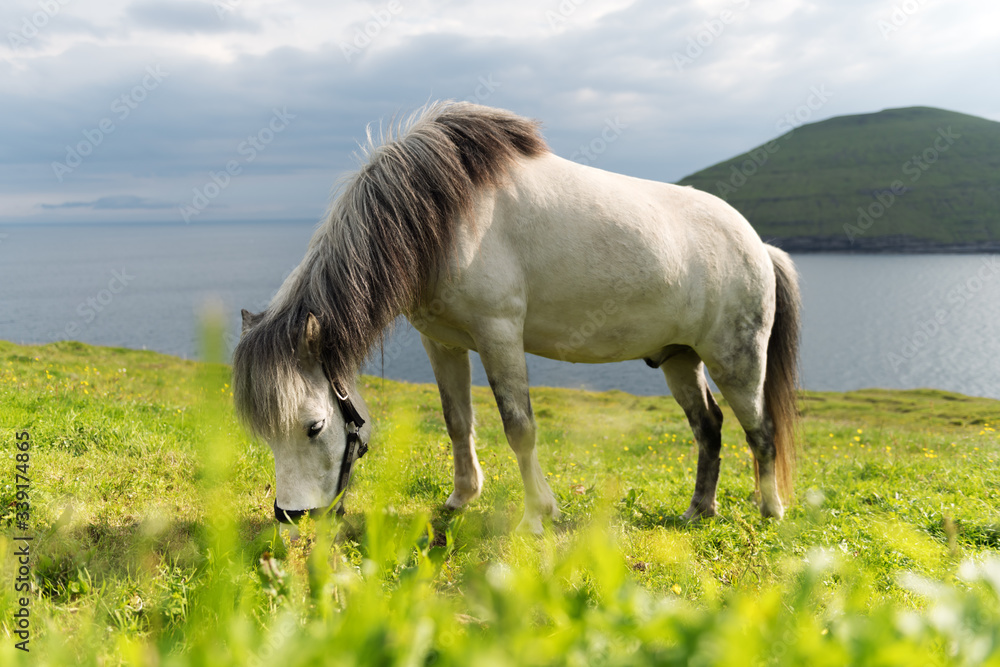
point(355, 449)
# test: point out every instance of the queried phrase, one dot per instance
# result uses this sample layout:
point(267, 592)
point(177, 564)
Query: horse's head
point(316, 425)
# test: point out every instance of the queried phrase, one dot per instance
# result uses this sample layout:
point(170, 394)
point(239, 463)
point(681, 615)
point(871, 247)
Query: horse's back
point(564, 212)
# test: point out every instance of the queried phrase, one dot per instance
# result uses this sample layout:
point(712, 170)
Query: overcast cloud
point(242, 109)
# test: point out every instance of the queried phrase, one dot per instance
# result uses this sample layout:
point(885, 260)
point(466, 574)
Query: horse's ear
point(250, 320)
point(309, 340)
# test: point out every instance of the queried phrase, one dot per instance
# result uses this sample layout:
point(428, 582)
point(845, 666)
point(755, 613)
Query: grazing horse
point(464, 222)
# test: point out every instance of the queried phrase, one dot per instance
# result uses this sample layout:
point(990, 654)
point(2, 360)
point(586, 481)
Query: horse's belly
point(605, 332)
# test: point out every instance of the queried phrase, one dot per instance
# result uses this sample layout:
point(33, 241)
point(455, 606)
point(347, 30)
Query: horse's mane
point(386, 236)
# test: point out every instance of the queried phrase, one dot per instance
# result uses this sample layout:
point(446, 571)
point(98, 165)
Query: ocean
point(893, 321)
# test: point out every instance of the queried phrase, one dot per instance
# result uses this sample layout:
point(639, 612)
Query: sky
point(193, 111)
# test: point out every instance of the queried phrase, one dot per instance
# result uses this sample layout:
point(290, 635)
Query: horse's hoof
point(288, 531)
point(467, 488)
point(772, 512)
point(457, 501)
point(696, 512)
point(531, 526)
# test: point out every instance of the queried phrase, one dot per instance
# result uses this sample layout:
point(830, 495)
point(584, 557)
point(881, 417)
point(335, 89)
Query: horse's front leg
point(502, 351)
point(454, 379)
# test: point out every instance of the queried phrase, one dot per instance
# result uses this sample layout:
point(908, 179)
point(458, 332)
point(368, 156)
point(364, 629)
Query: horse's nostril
point(293, 516)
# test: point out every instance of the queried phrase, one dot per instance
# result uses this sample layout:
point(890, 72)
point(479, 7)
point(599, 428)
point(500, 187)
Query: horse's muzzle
point(293, 516)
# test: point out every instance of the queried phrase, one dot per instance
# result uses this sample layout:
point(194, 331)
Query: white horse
point(467, 224)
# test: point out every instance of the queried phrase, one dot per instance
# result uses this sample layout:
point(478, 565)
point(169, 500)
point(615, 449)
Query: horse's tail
point(781, 376)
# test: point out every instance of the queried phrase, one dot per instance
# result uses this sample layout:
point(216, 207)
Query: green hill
point(905, 180)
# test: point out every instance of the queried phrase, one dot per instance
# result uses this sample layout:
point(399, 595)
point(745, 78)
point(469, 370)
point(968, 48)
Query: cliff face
point(901, 180)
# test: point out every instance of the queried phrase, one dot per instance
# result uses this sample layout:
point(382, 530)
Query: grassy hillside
point(901, 179)
point(154, 542)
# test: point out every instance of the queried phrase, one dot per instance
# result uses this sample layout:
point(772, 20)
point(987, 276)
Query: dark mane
point(386, 237)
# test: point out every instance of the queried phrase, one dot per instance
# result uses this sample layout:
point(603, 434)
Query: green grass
point(155, 542)
point(802, 188)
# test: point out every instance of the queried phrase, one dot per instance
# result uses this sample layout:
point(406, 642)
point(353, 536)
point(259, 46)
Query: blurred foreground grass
point(154, 540)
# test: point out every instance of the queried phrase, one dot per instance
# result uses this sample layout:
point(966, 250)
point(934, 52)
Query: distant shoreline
point(885, 245)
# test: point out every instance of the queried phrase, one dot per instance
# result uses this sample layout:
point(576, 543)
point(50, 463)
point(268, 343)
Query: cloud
point(187, 16)
point(616, 63)
point(113, 203)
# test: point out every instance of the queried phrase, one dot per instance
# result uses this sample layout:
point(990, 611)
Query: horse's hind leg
point(454, 379)
point(686, 379)
point(502, 351)
point(743, 387)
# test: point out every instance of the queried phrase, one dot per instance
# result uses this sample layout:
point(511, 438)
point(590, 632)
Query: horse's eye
point(315, 428)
